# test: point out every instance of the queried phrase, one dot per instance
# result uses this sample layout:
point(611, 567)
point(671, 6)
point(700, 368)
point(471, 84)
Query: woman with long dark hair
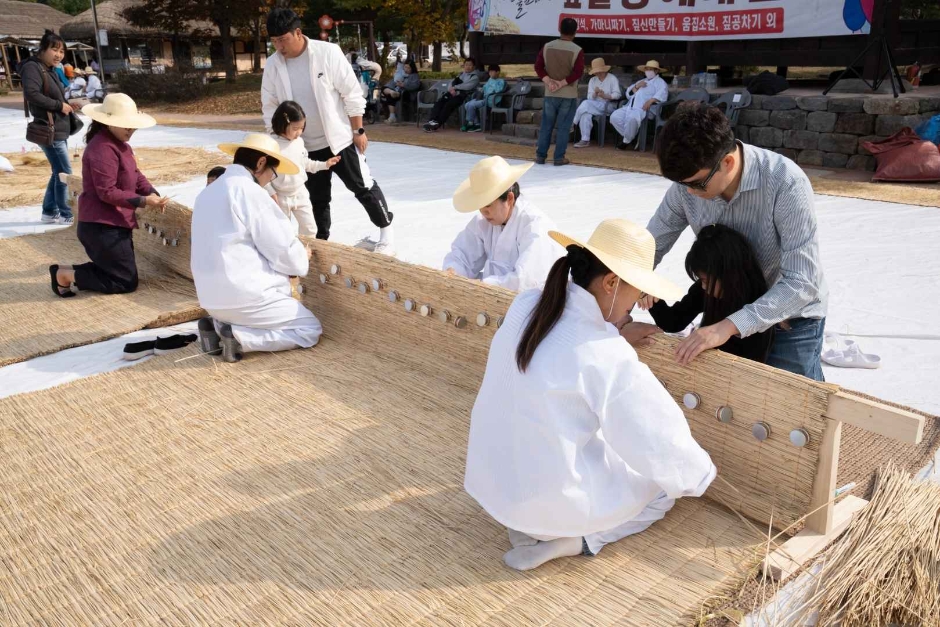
point(727, 277)
point(113, 189)
point(573, 442)
point(47, 104)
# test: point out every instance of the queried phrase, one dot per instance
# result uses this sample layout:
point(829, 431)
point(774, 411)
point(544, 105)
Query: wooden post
point(824, 486)
point(6, 65)
point(695, 58)
point(476, 46)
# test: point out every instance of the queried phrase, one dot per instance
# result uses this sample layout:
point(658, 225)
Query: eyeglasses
point(703, 184)
point(273, 169)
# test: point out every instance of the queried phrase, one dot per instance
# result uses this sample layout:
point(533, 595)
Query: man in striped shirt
point(769, 200)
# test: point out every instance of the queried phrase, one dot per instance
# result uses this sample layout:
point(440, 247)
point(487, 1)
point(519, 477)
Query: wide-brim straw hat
point(90, 70)
point(118, 110)
point(650, 65)
point(264, 144)
point(628, 250)
point(598, 65)
point(489, 179)
point(78, 72)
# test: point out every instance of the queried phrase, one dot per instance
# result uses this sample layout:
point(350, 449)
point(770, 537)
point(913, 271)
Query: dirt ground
point(163, 166)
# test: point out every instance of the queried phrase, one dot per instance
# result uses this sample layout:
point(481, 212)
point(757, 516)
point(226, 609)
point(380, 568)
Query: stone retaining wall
point(829, 132)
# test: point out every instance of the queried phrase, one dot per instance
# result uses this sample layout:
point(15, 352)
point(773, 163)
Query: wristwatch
point(360, 131)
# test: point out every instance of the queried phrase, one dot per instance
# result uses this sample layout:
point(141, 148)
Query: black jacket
point(675, 318)
point(42, 100)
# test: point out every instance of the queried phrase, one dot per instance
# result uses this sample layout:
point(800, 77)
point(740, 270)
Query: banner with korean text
point(675, 19)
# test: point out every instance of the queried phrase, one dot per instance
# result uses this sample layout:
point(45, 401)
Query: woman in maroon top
point(112, 190)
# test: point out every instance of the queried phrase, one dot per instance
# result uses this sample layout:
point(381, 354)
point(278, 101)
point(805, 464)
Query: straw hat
point(597, 65)
point(628, 251)
point(489, 179)
point(118, 110)
point(78, 71)
point(264, 144)
point(650, 65)
point(90, 70)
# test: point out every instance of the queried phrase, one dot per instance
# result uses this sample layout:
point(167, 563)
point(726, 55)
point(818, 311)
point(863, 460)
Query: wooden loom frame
point(340, 274)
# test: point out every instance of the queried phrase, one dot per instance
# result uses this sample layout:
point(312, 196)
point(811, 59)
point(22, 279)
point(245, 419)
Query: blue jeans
point(54, 202)
point(557, 113)
point(472, 107)
point(798, 349)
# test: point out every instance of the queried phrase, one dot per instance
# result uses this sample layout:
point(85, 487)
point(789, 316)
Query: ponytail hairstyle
point(584, 267)
point(725, 258)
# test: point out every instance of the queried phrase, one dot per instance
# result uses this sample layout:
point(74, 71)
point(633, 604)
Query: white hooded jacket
point(516, 256)
point(335, 87)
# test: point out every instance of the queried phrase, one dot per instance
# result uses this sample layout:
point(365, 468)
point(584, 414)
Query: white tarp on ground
point(880, 258)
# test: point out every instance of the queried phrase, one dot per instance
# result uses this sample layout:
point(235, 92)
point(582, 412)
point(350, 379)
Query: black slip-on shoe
point(172, 343)
point(56, 288)
point(137, 350)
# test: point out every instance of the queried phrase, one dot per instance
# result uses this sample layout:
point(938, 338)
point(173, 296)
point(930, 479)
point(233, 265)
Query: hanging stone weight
point(499, 322)
point(349, 282)
point(460, 322)
point(425, 310)
point(175, 241)
point(323, 279)
point(334, 269)
point(393, 297)
point(377, 285)
point(166, 242)
point(410, 305)
point(724, 414)
point(691, 400)
point(160, 233)
point(799, 437)
point(363, 288)
point(760, 430)
point(300, 288)
point(482, 319)
point(444, 316)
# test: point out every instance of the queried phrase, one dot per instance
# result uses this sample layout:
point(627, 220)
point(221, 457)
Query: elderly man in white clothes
point(316, 75)
point(642, 95)
point(574, 443)
point(603, 92)
point(244, 252)
point(507, 243)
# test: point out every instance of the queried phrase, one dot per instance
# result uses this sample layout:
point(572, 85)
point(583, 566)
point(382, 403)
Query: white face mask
point(650, 74)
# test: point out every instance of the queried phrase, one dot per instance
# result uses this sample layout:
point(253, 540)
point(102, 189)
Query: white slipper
point(852, 357)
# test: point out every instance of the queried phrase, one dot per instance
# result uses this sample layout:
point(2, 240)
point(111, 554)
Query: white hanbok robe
point(587, 442)
point(627, 119)
point(94, 90)
point(584, 116)
point(243, 251)
point(516, 256)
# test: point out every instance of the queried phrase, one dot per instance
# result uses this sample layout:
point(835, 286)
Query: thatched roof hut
point(110, 18)
point(28, 20)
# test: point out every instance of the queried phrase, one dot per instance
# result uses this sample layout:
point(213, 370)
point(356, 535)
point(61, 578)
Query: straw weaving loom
point(324, 486)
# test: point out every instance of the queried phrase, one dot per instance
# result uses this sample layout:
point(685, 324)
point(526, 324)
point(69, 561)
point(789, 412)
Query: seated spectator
point(94, 91)
point(507, 243)
point(461, 87)
point(645, 93)
point(75, 94)
point(603, 92)
point(490, 88)
point(392, 92)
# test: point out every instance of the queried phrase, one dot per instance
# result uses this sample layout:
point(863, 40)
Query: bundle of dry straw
point(886, 568)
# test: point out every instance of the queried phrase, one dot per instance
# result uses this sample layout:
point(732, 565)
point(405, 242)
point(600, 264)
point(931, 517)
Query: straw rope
point(307, 487)
point(36, 322)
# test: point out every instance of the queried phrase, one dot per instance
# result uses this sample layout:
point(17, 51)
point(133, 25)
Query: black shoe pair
point(160, 346)
point(56, 288)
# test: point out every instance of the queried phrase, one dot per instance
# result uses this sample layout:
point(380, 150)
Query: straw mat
point(34, 321)
point(321, 486)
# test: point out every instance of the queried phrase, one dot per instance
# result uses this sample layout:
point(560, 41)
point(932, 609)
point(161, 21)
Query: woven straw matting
point(310, 487)
point(34, 321)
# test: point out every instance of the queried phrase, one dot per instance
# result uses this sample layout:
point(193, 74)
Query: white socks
point(386, 235)
point(529, 557)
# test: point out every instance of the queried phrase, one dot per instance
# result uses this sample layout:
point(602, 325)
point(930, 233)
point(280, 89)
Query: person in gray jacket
point(460, 89)
point(44, 96)
point(410, 81)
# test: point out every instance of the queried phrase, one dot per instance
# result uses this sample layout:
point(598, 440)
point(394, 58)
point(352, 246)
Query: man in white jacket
point(317, 75)
point(641, 95)
point(507, 243)
point(244, 252)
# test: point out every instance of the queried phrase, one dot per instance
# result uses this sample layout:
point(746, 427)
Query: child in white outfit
point(288, 190)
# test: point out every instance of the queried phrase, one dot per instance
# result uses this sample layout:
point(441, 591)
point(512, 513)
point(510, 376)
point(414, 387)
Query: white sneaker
point(391, 120)
point(851, 357)
point(68, 220)
point(385, 248)
point(582, 144)
point(49, 219)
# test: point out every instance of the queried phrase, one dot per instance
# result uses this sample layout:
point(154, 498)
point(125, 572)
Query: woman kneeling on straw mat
point(507, 242)
point(244, 252)
point(574, 443)
point(112, 191)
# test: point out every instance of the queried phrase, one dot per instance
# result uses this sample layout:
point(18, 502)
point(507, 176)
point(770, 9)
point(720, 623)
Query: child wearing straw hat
point(244, 252)
point(112, 191)
point(507, 242)
point(603, 92)
point(642, 95)
point(574, 443)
